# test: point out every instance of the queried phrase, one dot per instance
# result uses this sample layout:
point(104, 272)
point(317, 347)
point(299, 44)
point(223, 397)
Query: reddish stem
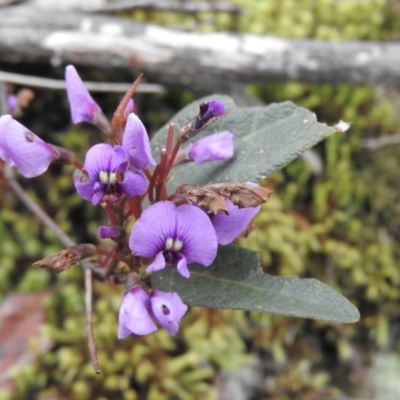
point(172, 197)
point(164, 194)
point(115, 256)
point(147, 174)
point(110, 212)
point(135, 206)
point(170, 137)
point(173, 155)
point(79, 166)
point(160, 183)
point(152, 183)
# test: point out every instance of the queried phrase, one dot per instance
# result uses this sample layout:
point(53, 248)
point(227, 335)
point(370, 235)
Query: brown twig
point(56, 84)
point(89, 322)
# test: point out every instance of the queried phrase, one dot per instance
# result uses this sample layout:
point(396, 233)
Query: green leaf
point(236, 281)
point(266, 139)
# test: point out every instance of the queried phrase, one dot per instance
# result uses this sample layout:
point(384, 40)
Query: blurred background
point(334, 215)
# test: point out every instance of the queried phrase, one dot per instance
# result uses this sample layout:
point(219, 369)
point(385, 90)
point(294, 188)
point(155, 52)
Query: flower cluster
point(175, 229)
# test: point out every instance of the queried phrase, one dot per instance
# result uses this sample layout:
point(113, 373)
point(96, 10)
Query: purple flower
point(109, 177)
point(134, 314)
point(138, 308)
point(216, 147)
point(168, 309)
point(116, 233)
point(208, 112)
point(22, 149)
point(174, 235)
point(136, 142)
point(83, 107)
point(229, 227)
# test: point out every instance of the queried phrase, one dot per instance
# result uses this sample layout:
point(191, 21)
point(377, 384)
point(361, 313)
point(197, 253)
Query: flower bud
point(208, 113)
point(115, 233)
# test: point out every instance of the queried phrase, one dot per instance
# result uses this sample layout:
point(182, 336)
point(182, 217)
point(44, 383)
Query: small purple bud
point(208, 113)
point(216, 147)
point(115, 233)
point(215, 108)
point(83, 107)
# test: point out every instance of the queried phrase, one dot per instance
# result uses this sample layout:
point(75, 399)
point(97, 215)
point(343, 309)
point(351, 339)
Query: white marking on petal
point(103, 177)
point(169, 243)
point(178, 244)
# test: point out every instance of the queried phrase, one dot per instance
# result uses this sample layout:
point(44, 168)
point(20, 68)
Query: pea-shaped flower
point(138, 309)
point(108, 176)
point(175, 236)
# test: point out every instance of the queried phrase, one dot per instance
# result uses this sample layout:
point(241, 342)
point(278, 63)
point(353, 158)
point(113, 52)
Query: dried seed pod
point(241, 194)
point(204, 198)
point(64, 259)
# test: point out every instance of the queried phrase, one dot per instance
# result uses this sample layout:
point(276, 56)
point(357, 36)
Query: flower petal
point(157, 265)
point(98, 193)
point(216, 147)
point(195, 230)
point(134, 183)
point(21, 148)
point(136, 143)
point(168, 309)
point(129, 107)
point(182, 266)
point(229, 227)
point(83, 107)
point(98, 158)
point(134, 314)
point(83, 185)
point(156, 224)
point(215, 107)
point(119, 160)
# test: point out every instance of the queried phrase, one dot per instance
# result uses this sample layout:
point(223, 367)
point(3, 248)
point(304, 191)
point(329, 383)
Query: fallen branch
point(160, 5)
point(203, 62)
